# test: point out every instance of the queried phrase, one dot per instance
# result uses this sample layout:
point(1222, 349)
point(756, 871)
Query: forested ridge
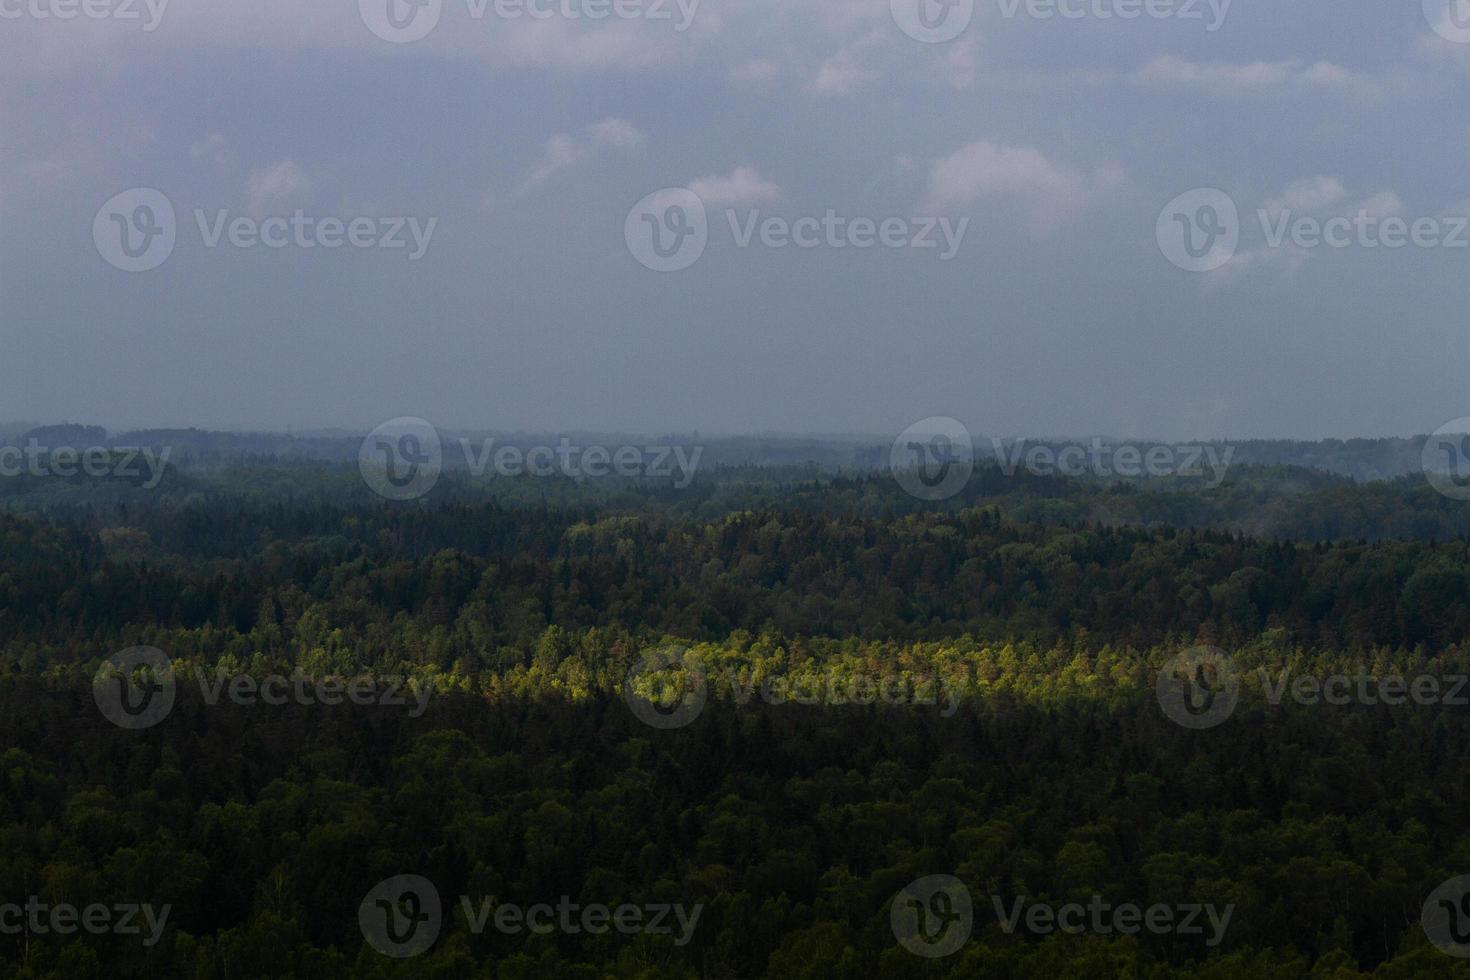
point(474, 581)
point(793, 823)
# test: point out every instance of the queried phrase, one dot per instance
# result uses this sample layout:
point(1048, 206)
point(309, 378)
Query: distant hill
point(66, 434)
point(1363, 460)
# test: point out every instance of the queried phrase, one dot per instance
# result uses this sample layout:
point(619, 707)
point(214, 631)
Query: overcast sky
point(517, 146)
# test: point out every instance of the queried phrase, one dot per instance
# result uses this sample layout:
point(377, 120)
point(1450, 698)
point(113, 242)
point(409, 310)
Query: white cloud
point(560, 42)
point(1320, 195)
point(1307, 194)
point(564, 152)
point(268, 188)
point(1258, 76)
point(1384, 204)
point(1287, 260)
point(617, 133)
point(1051, 193)
point(31, 46)
point(844, 73)
point(742, 188)
point(561, 153)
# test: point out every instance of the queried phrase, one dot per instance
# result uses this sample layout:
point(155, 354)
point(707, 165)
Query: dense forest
point(1022, 630)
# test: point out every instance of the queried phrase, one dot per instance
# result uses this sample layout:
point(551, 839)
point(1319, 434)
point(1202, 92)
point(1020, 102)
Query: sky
point(1140, 218)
